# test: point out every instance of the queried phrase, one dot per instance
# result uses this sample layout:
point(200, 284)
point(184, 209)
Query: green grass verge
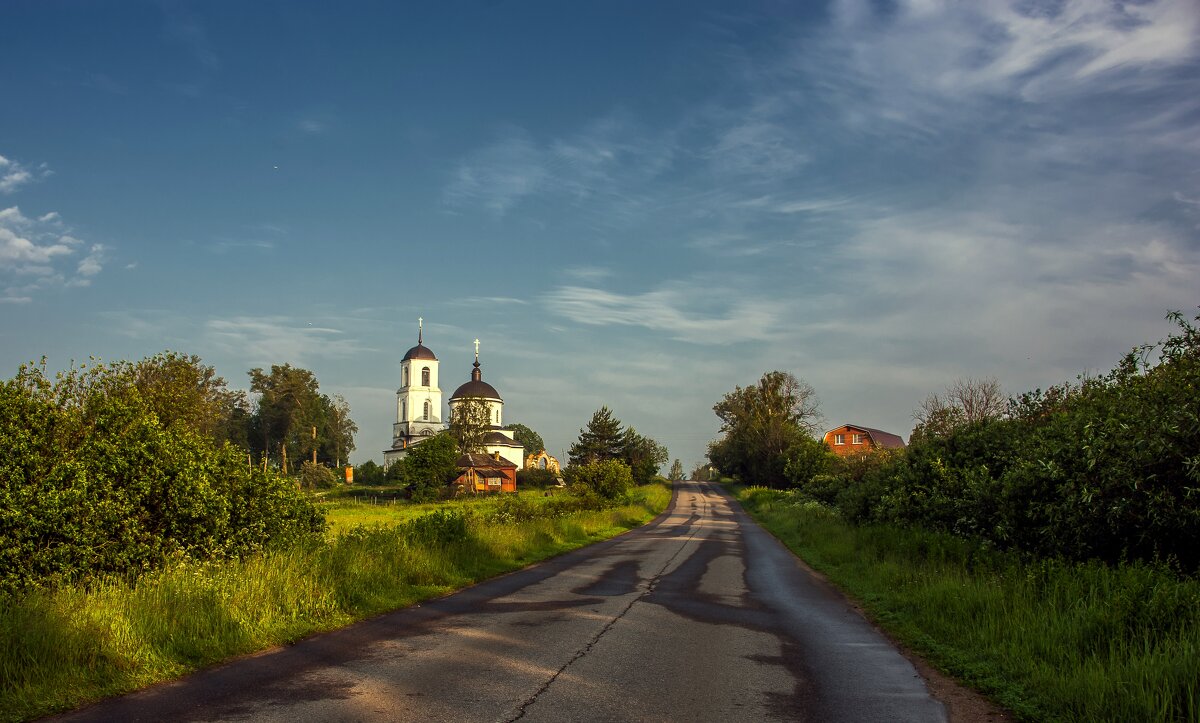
point(1048, 640)
point(64, 647)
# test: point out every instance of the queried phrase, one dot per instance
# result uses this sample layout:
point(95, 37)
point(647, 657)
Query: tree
point(289, 404)
point(601, 440)
point(965, 401)
point(760, 423)
point(369, 473)
point(702, 472)
point(290, 407)
point(643, 455)
point(676, 473)
point(183, 391)
point(470, 421)
point(529, 439)
point(429, 466)
point(340, 428)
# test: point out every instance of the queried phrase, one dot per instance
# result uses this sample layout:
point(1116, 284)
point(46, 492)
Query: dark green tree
point(599, 441)
point(676, 473)
point(643, 455)
point(429, 466)
point(529, 439)
point(759, 424)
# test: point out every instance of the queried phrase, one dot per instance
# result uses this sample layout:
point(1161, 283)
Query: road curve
point(698, 616)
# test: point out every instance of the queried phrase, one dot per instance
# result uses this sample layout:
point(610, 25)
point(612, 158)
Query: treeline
point(1104, 468)
point(118, 468)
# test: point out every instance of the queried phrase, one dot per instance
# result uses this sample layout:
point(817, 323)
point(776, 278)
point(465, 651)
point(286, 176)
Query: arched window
point(403, 411)
point(405, 377)
point(497, 416)
point(542, 463)
point(426, 417)
point(425, 377)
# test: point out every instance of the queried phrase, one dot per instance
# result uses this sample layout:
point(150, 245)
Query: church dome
point(476, 388)
point(420, 351)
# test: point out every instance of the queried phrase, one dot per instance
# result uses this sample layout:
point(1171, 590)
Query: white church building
point(419, 406)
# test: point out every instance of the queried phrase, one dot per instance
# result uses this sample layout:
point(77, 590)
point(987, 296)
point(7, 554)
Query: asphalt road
point(699, 616)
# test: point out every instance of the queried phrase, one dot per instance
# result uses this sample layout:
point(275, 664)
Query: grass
point(1048, 640)
point(61, 648)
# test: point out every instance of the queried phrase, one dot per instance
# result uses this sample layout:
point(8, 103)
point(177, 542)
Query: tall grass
point(1049, 640)
point(64, 647)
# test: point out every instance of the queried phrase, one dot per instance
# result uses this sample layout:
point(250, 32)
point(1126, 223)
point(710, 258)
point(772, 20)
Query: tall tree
point(643, 455)
point(599, 441)
point(759, 423)
point(183, 391)
point(340, 428)
point(676, 473)
point(470, 421)
point(529, 439)
point(289, 405)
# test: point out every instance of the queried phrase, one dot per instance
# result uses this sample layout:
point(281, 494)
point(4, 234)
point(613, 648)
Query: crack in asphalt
point(582, 652)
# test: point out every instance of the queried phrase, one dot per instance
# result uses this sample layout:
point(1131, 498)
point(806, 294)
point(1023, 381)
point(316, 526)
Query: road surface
point(698, 616)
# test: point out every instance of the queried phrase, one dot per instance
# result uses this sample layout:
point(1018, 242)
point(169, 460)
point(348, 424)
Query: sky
point(639, 205)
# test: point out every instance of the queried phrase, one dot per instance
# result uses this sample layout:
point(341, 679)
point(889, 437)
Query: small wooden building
point(486, 473)
point(851, 439)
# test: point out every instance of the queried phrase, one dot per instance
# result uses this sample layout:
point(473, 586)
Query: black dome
point(420, 351)
point(476, 388)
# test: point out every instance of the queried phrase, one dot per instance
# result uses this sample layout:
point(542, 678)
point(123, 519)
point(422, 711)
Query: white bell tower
point(419, 399)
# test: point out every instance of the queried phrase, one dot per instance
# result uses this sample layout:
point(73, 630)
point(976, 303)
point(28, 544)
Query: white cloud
point(14, 175)
point(39, 248)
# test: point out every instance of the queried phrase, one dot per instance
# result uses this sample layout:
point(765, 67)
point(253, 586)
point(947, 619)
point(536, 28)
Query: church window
point(425, 377)
point(404, 411)
point(405, 377)
point(426, 417)
point(542, 463)
point(497, 416)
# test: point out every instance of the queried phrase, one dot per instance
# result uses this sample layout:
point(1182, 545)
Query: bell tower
point(419, 399)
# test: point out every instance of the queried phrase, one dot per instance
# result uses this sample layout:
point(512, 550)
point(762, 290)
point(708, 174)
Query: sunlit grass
point(64, 647)
point(1049, 640)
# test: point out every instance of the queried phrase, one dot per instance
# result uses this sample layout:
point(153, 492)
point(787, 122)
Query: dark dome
point(476, 388)
point(500, 439)
point(420, 351)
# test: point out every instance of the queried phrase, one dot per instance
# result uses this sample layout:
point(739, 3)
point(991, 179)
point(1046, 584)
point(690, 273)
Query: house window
point(858, 439)
point(839, 439)
point(425, 377)
point(426, 416)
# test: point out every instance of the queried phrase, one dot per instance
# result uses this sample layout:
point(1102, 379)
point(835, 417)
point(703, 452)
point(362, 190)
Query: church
point(419, 406)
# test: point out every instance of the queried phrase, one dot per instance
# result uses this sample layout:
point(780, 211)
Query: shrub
point(609, 479)
point(92, 482)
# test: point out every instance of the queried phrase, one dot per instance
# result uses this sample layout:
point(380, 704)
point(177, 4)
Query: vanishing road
point(699, 616)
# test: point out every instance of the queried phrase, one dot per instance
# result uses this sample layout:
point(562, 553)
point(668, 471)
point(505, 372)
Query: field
point(60, 648)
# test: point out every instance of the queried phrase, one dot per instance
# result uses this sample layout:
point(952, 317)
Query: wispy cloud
point(605, 164)
point(698, 313)
point(14, 175)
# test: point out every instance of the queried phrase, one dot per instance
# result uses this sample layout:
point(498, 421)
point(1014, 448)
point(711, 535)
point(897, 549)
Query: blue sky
point(633, 204)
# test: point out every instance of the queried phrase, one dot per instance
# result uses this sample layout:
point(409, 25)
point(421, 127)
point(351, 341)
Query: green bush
point(92, 482)
point(1107, 469)
point(609, 479)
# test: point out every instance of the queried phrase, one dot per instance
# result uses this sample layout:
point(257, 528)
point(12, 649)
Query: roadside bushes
point(1108, 468)
point(608, 479)
point(91, 481)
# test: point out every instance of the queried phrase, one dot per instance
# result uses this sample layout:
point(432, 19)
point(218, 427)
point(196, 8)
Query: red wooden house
point(486, 473)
